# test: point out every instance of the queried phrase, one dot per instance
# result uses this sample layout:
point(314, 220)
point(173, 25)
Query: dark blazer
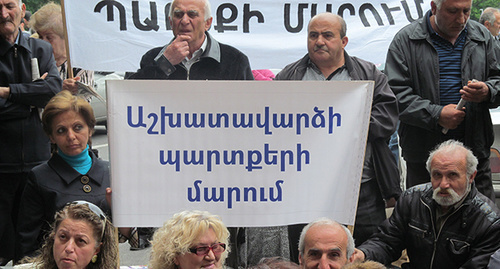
point(50, 186)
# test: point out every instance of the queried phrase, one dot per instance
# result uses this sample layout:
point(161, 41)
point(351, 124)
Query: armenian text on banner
point(112, 35)
point(256, 153)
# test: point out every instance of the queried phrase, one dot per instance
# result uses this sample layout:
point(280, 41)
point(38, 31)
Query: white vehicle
point(100, 108)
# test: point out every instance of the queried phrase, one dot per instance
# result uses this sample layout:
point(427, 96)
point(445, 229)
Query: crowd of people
point(55, 206)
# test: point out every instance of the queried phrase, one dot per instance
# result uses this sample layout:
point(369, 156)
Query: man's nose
point(324, 263)
point(4, 12)
point(185, 19)
point(445, 183)
point(463, 18)
point(320, 40)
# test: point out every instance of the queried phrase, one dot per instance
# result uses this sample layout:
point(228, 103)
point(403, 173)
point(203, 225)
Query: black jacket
point(383, 118)
point(23, 143)
point(469, 236)
point(218, 62)
point(412, 68)
point(50, 186)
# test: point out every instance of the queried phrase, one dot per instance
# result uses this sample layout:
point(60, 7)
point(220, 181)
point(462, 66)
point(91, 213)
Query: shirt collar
point(210, 46)
point(315, 68)
point(18, 37)
point(197, 54)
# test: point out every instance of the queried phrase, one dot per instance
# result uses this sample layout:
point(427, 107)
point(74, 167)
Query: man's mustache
point(447, 191)
point(323, 47)
point(6, 20)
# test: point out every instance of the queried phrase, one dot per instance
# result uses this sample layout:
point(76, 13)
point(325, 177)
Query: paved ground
point(136, 257)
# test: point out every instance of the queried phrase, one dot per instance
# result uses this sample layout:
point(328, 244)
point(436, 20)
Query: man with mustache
point(446, 223)
point(23, 143)
point(431, 64)
point(327, 60)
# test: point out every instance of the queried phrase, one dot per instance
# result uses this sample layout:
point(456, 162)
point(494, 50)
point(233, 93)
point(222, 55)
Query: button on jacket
point(50, 186)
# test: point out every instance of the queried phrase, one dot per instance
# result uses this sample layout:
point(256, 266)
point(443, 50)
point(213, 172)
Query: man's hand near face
point(177, 50)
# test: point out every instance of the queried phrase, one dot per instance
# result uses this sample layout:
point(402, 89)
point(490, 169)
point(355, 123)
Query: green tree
point(34, 5)
point(479, 5)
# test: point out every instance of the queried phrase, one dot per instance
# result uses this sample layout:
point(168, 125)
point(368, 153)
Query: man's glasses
point(217, 248)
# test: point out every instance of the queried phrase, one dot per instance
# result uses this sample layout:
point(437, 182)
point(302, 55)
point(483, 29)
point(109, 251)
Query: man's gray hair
point(451, 147)
point(343, 25)
point(326, 222)
point(488, 15)
point(440, 2)
point(208, 10)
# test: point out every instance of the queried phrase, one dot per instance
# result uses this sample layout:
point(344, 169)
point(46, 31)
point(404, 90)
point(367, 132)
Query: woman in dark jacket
point(72, 173)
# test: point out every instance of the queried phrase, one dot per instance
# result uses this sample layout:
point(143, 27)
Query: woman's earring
point(94, 258)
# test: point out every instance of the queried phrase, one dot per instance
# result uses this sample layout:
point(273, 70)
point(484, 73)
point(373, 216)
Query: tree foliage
point(479, 5)
point(34, 5)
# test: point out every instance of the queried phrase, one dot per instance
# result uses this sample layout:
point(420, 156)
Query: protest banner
point(256, 153)
point(109, 35)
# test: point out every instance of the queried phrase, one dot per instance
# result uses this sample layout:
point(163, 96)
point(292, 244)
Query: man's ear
point(345, 40)
point(300, 259)
point(433, 8)
point(472, 177)
point(351, 259)
point(208, 23)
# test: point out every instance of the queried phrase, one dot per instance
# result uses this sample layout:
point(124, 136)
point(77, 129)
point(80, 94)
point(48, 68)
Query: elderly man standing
point(490, 18)
point(327, 60)
point(193, 54)
point(443, 224)
point(23, 143)
point(433, 63)
point(324, 243)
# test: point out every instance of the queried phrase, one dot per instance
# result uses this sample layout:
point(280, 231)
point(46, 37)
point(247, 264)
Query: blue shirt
point(450, 73)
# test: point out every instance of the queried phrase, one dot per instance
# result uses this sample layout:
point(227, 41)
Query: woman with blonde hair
point(190, 239)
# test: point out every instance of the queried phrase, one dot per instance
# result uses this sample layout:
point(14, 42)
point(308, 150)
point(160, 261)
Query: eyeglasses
point(217, 248)
point(96, 210)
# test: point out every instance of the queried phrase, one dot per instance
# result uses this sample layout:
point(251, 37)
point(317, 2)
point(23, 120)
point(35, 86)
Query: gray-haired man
point(325, 243)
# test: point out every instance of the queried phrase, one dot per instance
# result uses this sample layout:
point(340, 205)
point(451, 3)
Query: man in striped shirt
point(432, 64)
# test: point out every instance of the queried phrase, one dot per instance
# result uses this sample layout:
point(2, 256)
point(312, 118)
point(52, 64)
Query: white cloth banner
point(113, 35)
point(255, 153)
